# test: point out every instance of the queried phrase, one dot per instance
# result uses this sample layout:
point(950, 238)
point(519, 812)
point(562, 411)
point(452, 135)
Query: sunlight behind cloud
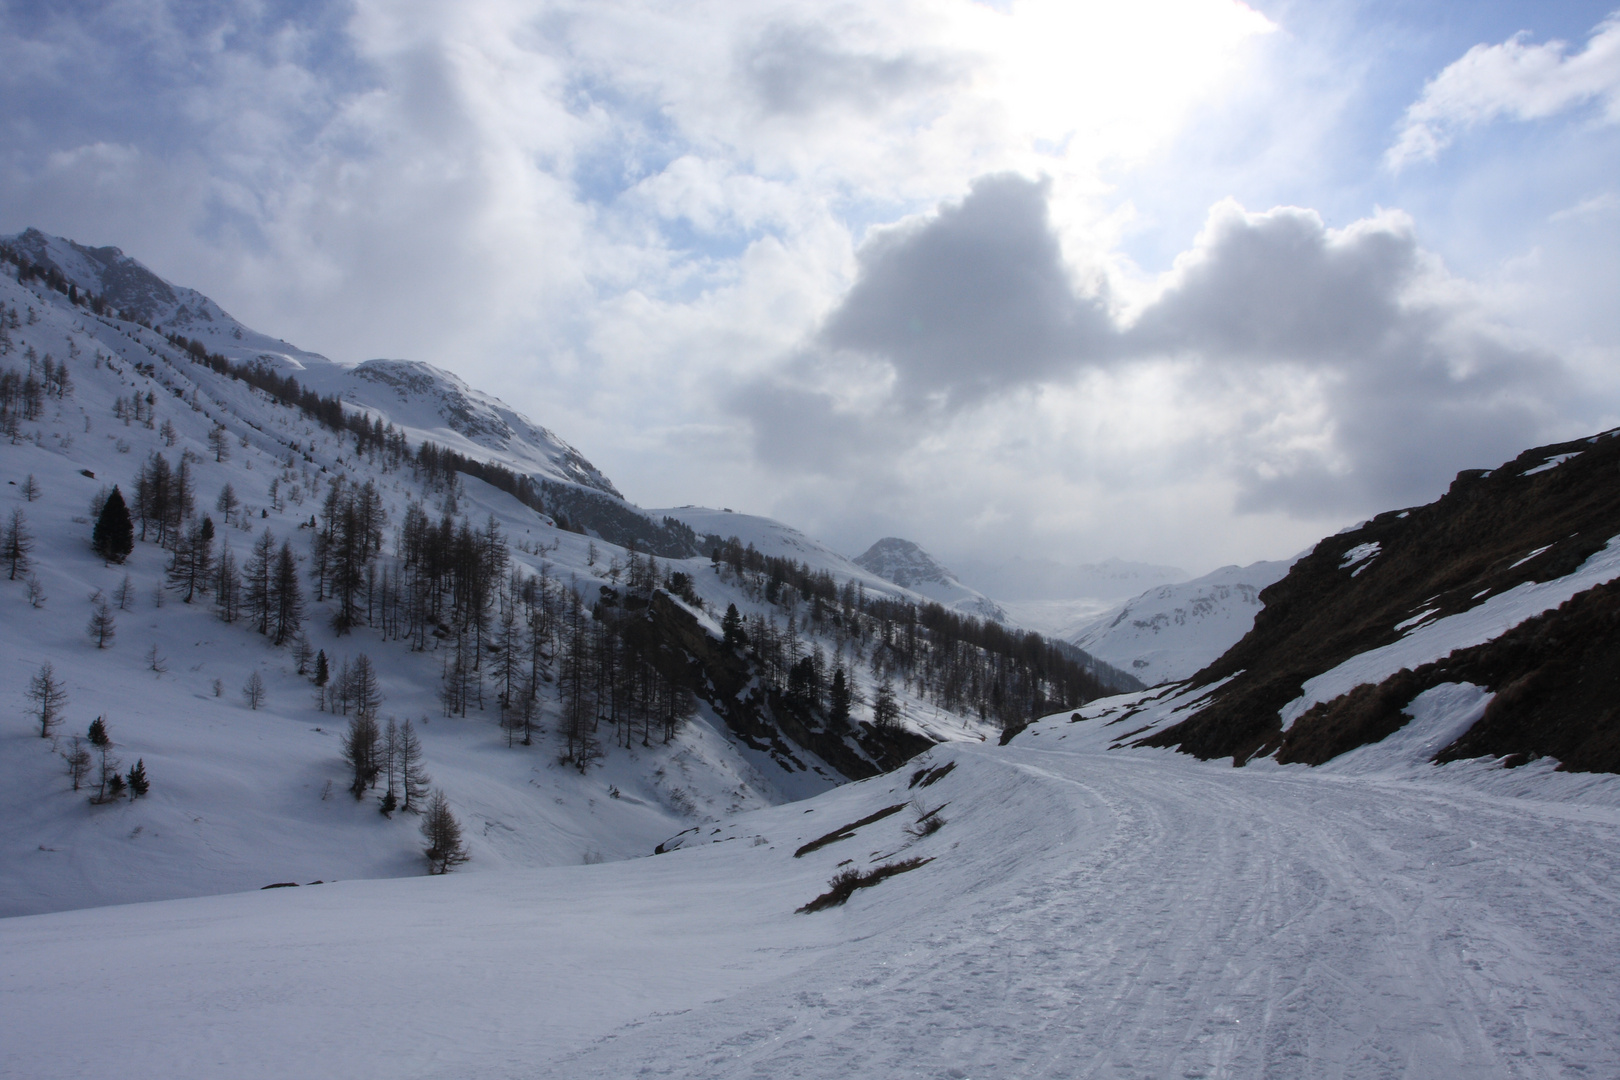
point(1091, 81)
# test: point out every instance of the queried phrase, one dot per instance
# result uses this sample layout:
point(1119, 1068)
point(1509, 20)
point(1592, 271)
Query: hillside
point(1506, 584)
point(1172, 631)
point(558, 651)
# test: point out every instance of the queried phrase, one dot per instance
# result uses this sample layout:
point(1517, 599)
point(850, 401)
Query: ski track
point(1232, 924)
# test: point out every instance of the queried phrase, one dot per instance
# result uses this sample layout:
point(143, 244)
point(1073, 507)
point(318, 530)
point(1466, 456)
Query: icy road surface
point(1087, 914)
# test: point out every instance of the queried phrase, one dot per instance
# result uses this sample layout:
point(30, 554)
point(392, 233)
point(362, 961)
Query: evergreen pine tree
point(102, 628)
point(885, 709)
point(286, 598)
point(138, 783)
point(839, 698)
point(731, 627)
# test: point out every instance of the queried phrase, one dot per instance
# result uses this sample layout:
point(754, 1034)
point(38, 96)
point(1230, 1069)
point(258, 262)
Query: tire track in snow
point(1229, 924)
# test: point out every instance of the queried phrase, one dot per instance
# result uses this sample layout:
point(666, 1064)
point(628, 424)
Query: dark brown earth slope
point(1556, 677)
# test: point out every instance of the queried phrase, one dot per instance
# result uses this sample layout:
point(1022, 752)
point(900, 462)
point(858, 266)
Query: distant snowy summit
point(424, 401)
point(910, 567)
point(1168, 633)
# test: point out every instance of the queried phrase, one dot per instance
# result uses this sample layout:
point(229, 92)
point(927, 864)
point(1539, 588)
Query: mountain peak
point(907, 565)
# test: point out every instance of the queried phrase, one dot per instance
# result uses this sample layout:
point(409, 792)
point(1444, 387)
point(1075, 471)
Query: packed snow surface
point(1086, 913)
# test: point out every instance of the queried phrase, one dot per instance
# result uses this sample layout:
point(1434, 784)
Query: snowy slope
point(241, 798)
point(422, 400)
point(771, 537)
point(1167, 917)
point(909, 566)
point(1172, 631)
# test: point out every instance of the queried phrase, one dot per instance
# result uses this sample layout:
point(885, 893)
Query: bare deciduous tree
point(443, 834)
point(45, 690)
point(253, 690)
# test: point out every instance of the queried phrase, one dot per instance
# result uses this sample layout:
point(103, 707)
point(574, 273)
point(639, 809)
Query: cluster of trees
point(23, 394)
point(608, 672)
point(165, 497)
point(961, 663)
point(391, 754)
point(348, 539)
point(49, 697)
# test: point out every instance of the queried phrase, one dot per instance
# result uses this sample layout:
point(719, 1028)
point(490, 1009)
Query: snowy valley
point(732, 803)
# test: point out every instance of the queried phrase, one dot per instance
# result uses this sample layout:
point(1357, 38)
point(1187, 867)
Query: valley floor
point(1086, 914)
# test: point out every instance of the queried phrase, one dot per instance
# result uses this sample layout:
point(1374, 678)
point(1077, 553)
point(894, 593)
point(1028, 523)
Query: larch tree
point(253, 690)
point(443, 834)
point(361, 752)
point(102, 627)
point(413, 778)
point(16, 542)
point(45, 690)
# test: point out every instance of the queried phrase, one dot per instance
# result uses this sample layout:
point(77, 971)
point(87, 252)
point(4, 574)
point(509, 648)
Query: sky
point(1177, 281)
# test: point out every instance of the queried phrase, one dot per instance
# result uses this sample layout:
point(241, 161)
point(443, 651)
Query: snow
point(1439, 716)
point(1087, 910)
point(1361, 553)
point(1551, 463)
point(1171, 632)
point(1530, 556)
point(1166, 917)
point(909, 566)
point(1436, 640)
point(1407, 624)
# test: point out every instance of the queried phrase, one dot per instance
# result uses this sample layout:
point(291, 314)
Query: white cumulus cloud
point(1515, 79)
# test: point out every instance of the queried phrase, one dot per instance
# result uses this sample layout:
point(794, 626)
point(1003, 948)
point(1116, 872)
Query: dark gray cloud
point(1363, 375)
point(796, 70)
point(971, 301)
point(1273, 287)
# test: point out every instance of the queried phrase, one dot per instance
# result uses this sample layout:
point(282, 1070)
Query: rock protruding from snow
point(909, 566)
point(1170, 632)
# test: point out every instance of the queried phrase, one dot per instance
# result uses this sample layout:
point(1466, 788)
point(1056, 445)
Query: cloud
point(1516, 79)
point(799, 69)
point(1320, 371)
point(971, 300)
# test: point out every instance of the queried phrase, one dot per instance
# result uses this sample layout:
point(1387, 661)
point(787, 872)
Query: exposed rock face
point(1555, 675)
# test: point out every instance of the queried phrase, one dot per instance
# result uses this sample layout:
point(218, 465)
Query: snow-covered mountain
point(909, 566)
point(1172, 631)
point(420, 400)
point(243, 789)
point(1071, 901)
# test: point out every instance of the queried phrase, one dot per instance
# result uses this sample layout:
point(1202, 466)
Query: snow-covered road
point(1204, 922)
point(1087, 915)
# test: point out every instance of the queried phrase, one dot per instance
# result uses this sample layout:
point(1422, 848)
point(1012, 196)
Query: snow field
point(1086, 913)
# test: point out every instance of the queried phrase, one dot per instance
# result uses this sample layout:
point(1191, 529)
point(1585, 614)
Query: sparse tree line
point(23, 394)
point(89, 755)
